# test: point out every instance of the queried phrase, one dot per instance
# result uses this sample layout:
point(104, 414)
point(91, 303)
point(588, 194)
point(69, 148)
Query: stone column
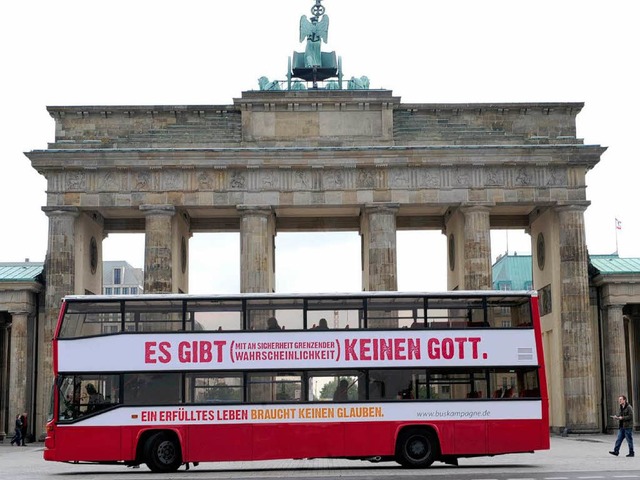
point(157, 248)
point(181, 235)
point(378, 230)
point(477, 248)
point(257, 249)
point(18, 365)
point(615, 362)
point(4, 376)
point(89, 232)
point(577, 334)
point(60, 277)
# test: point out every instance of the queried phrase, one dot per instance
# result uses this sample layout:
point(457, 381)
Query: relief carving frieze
point(143, 181)
point(173, 180)
point(461, 177)
point(76, 181)
point(238, 180)
point(429, 178)
point(494, 177)
point(301, 179)
point(365, 179)
point(524, 177)
point(400, 177)
point(109, 182)
point(556, 177)
point(335, 180)
point(204, 180)
point(270, 180)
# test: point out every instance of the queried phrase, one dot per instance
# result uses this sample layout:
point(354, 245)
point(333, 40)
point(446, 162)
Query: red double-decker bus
point(169, 380)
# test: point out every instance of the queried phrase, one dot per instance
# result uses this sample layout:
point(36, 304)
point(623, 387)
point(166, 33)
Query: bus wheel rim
point(166, 452)
point(417, 449)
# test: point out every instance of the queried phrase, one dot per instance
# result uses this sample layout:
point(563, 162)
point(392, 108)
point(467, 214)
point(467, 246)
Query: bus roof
point(368, 294)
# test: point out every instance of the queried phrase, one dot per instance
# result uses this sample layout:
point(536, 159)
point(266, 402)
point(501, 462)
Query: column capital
point(572, 207)
point(265, 210)
point(614, 306)
point(54, 211)
point(168, 210)
point(382, 207)
point(476, 207)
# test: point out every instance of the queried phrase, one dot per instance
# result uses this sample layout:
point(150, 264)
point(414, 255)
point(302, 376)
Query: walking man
point(23, 419)
point(625, 426)
point(17, 437)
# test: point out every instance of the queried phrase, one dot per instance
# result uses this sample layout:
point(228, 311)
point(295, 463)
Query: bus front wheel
point(416, 448)
point(162, 453)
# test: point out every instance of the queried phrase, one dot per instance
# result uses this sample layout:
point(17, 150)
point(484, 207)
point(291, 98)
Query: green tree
point(326, 392)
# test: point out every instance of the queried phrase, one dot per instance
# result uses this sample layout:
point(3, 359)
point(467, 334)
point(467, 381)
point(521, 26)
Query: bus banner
point(292, 413)
point(299, 349)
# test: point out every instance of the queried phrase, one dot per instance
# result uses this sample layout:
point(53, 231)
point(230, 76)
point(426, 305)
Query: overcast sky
point(140, 52)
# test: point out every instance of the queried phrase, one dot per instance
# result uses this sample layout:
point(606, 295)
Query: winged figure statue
point(314, 31)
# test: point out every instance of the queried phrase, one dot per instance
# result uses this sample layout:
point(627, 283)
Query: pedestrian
point(17, 436)
point(23, 418)
point(625, 426)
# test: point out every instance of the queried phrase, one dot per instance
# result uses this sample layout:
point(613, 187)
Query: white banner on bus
point(298, 350)
point(313, 413)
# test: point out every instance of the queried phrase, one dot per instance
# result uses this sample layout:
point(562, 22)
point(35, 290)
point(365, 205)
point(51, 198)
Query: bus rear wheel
point(416, 448)
point(162, 453)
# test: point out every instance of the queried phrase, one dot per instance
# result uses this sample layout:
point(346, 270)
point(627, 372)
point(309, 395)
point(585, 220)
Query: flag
point(618, 224)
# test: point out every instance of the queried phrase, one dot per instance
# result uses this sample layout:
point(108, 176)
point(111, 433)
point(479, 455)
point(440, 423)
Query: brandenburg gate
point(330, 159)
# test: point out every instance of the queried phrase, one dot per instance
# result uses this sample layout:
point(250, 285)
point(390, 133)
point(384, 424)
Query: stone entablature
point(19, 296)
point(422, 180)
point(618, 289)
